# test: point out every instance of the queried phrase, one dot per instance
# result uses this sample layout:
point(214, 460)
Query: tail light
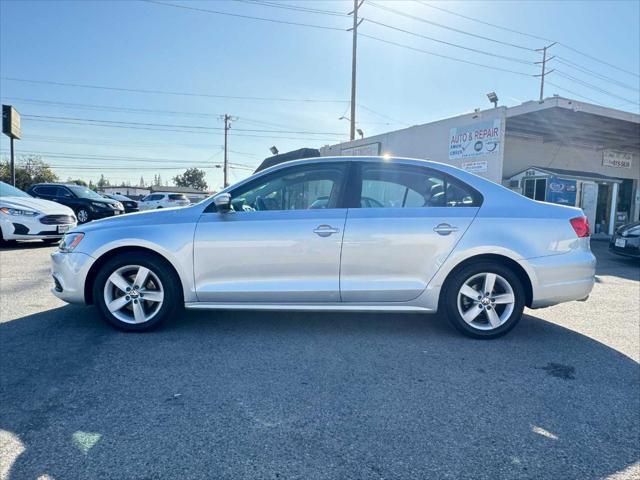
point(581, 226)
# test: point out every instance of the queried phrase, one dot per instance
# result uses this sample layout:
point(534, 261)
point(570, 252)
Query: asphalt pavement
point(254, 395)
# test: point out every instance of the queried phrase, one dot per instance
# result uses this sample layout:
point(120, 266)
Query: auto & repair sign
point(475, 140)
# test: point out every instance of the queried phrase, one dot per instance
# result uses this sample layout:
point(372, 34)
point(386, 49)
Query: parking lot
point(317, 395)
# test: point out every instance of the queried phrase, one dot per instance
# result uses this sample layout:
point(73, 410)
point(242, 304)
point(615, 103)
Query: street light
point(493, 98)
point(274, 150)
point(360, 132)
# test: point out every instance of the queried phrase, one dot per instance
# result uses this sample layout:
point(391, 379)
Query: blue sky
point(141, 45)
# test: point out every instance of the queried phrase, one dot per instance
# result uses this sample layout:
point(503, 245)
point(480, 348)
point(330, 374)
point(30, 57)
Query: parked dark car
point(87, 204)
point(626, 240)
point(130, 206)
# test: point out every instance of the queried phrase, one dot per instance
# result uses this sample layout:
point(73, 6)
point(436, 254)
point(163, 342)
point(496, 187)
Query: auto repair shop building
point(558, 150)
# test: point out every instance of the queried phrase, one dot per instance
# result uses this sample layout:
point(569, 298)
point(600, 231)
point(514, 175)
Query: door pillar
point(614, 205)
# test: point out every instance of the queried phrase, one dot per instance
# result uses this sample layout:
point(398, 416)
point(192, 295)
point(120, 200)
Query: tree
point(29, 170)
point(192, 177)
point(77, 181)
point(103, 182)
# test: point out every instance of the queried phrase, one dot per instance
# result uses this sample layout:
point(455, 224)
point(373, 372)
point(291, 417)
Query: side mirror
point(222, 202)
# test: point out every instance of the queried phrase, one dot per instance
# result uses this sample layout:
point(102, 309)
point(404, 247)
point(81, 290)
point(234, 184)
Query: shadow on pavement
point(311, 395)
point(615, 265)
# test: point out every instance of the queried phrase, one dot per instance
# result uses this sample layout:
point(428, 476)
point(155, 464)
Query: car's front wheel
point(136, 292)
point(82, 215)
point(484, 299)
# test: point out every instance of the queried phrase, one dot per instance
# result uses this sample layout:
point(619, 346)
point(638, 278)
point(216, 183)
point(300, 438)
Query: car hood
point(139, 219)
point(45, 206)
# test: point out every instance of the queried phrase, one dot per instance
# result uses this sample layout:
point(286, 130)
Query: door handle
point(444, 229)
point(325, 230)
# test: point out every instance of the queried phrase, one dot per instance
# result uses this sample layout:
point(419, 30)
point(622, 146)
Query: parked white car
point(163, 200)
point(23, 217)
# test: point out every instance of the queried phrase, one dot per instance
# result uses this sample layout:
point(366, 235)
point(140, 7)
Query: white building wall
point(521, 153)
point(431, 142)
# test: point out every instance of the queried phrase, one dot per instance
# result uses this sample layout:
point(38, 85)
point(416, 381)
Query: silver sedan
point(346, 233)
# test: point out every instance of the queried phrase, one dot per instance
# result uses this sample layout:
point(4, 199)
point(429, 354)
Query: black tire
point(449, 299)
point(158, 208)
point(84, 214)
point(172, 301)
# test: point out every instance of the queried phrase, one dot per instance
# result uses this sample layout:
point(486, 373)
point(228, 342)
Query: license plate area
point(620, 242)
point(63, 228)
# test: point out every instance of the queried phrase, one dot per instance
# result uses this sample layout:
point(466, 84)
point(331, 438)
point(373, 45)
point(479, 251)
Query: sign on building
point(476, 166)
point(562, 191)
point(368, 150)
point(475, 140)
point(616, 159)
point(11, 122)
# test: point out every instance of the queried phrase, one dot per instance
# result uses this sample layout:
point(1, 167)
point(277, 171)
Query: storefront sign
point(616, 159)
point(368, 150)
point(475, 140)
point(476, 166)
point(11, 122)
point(561, 191)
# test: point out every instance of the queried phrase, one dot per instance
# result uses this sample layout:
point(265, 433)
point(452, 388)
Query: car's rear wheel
point(484, 299)
point(136, 292)
point(82, 215)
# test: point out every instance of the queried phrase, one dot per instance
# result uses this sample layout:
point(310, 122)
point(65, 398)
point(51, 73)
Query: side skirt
point(331, 307)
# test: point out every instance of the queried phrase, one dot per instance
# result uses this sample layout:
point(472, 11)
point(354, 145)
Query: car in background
point(23, 217)
point(626, 240)
point(87, 204)
point(130, 205)
point(163, 200)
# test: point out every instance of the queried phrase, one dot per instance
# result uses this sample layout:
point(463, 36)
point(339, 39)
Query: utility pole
point(544, 65)
point(354, 29)
point(13, 165)
point(225, 167)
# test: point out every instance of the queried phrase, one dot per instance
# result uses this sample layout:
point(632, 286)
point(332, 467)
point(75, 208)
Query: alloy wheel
point(133, 294)
point(83, 216)
point(486, 301)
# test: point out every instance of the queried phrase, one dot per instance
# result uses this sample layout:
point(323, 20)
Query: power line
point(105, 142)
point(568, 47)
point(382, 115)
point(295, 8)
point(168, 92)
point(445, 56)
point(573, 93)
point(464, 32)
point(463, 47)
point(576, 66)
point(484, 23)
point(114, 158)
point(248, 17)
point(593, 87)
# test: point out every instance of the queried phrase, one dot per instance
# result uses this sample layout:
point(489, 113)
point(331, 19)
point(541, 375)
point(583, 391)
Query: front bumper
point(98, 214)
point(69, 271)
point(631, 246)
point(562, 278)
point(21, 228)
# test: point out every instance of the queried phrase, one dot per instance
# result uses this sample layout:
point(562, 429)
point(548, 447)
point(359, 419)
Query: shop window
point(535, 188)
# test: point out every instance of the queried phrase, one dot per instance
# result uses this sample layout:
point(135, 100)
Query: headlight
point(119, 206)
point(634, 232)
point(19, 212)
point(99, 205)
point(70, 241)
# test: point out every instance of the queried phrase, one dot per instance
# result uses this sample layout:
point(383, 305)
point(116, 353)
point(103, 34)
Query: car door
point(275, 246)
point(66, 197)
point(408, 221)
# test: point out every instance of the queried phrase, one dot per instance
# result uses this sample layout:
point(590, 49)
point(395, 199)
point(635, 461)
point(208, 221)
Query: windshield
point(7, 190)
point(84, 192)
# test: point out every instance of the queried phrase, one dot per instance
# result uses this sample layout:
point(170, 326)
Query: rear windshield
point(178, 196)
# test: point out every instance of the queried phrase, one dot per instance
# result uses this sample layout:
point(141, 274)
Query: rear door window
point(177, 196)
point(408, 186)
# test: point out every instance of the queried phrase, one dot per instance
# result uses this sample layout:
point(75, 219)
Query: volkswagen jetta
point(299, 236)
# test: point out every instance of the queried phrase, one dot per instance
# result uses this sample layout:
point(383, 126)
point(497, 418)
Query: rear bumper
point(69, 271)
point(561, 278)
